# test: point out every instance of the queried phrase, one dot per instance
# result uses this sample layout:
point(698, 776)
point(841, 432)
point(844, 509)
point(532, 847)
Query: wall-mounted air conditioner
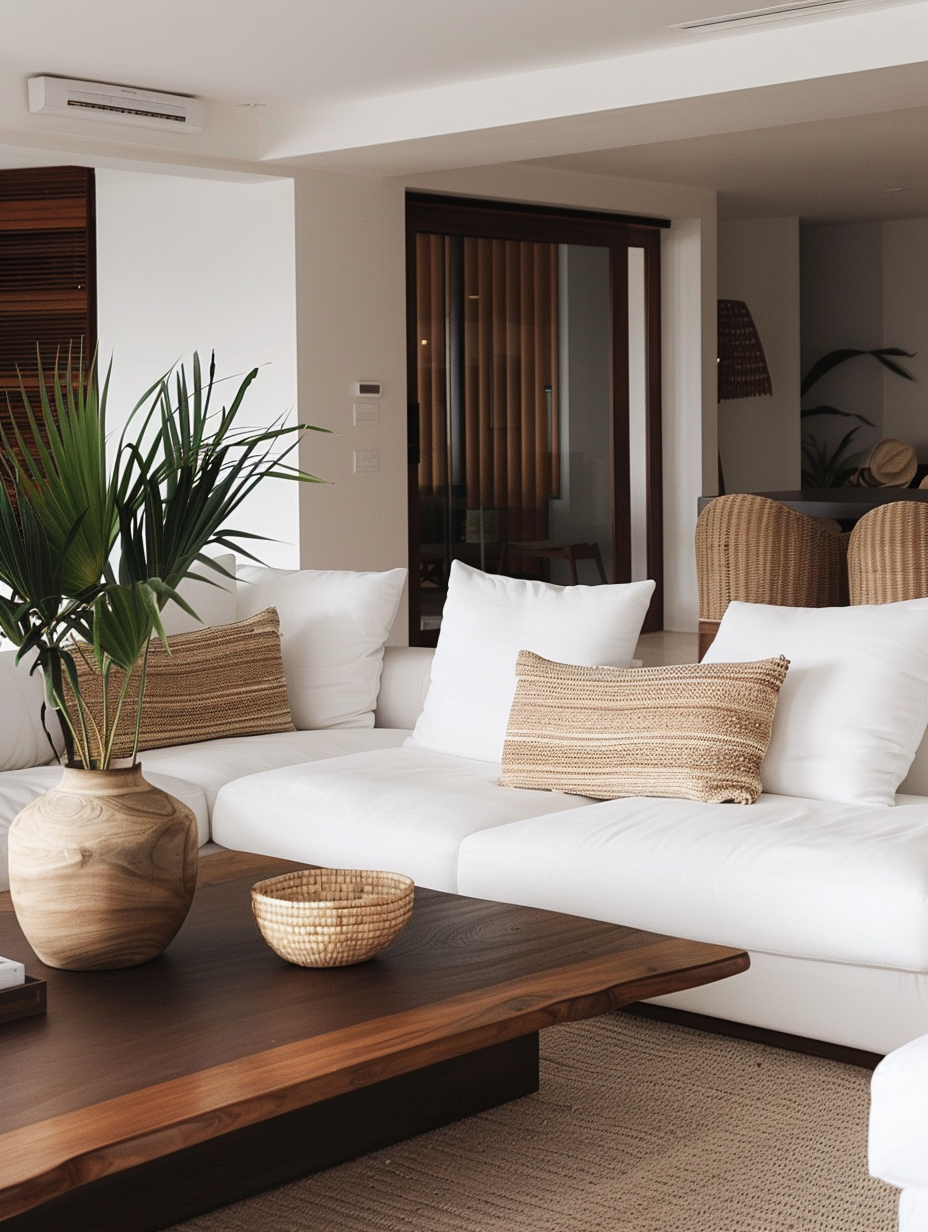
point(93, 100)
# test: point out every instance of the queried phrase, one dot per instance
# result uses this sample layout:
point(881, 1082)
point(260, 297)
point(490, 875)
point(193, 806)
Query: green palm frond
point(60, 469)
point(811, 411)
point(823, 467)
point(832, 360)
point(179, 472)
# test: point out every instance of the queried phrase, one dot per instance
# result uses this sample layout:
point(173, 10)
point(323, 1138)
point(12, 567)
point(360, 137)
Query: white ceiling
point(322, 51)
point(863, 166)
point(814, 115)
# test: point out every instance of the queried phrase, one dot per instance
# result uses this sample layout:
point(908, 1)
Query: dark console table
point(844, 504)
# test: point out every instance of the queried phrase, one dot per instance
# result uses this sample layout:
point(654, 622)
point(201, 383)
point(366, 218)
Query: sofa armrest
point(403, 685)
point(899, 1117)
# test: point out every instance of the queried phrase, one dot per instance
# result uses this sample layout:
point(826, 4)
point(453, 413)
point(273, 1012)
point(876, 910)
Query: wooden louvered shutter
point(47, 275)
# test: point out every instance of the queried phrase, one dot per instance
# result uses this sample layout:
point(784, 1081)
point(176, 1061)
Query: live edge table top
point(220, 1033)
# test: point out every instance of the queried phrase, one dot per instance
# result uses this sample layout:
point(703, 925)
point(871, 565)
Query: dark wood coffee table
point(148, 1096)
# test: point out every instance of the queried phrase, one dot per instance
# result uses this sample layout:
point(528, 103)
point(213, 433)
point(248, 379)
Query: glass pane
point(514, 372)
point(581, 510)
point(434, 513)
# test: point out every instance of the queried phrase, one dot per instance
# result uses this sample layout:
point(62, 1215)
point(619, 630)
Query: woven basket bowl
point(331, 917)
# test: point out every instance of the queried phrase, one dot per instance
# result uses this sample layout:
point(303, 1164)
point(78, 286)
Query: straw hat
point(892, 464)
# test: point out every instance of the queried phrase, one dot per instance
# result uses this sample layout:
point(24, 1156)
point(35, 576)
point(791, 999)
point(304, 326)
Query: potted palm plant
point(95, 537)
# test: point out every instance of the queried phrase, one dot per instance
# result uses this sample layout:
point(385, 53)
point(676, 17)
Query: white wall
point(864, 285)
point(351, 294)
point(351, 326)
point(690, 444)
point(905, 325)
point(842, 306)
point(188, 264)
point(759, 437)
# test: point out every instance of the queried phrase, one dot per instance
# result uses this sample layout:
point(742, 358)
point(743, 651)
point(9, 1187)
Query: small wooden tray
point(23, 1000)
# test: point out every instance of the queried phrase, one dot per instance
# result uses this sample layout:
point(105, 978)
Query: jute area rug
point(639, 1126)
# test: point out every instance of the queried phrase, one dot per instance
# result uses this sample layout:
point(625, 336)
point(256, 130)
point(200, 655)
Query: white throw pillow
point(23, 741)
point(486, 621)
point(333, 626)
point(213, 601)
point(854, 705)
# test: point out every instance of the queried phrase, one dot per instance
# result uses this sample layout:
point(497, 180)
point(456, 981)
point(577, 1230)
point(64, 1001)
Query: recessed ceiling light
point(251, 104)
point(775, 12)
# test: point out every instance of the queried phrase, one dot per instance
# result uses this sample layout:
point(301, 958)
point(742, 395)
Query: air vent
point(776, 12)
point(93, 100)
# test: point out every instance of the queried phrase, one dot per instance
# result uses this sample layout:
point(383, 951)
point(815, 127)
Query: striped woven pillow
point(225, 680)
point(694, 732)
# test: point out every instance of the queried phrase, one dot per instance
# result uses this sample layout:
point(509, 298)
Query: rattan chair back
point(887, 559)
point(756, 550)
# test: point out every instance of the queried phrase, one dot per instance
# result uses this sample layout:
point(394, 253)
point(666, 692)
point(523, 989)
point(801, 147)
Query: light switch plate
point(366, 460)
point(366, 414)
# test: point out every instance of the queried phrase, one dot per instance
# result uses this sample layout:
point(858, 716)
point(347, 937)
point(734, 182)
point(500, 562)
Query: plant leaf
point(834, 358)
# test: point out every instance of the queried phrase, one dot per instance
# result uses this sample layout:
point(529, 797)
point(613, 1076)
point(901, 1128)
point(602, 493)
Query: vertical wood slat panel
point(474, 461)
point(486, 424)
point(438, 342)
point(510, 359)
point(510, 315)
point(510, 355)
point(424, 364)
point(430, 283)
point(47, 276)
point(552, 465)
point(541, 369)
point(499, 391)
point(526, 362)
point(489, 424)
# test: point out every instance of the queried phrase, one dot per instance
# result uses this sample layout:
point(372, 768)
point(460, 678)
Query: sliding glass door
point(535, 369)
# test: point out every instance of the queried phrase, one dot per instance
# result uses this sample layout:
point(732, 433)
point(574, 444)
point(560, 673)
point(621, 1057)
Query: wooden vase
point(102, 870)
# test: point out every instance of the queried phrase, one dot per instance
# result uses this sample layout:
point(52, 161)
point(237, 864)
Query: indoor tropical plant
point(825, 467)
point(95, 537)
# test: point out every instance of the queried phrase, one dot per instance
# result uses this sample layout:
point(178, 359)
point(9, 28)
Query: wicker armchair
point(887, 557)
point(756, 550)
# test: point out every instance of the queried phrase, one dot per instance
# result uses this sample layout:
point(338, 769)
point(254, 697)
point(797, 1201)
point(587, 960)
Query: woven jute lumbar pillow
point(227, 680)
point(696, 732)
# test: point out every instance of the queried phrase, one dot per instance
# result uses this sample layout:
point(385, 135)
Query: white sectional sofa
point(830, 899)
point(898, 1145)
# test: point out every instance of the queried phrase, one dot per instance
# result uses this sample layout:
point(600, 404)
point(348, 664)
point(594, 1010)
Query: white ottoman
point(899, 1130)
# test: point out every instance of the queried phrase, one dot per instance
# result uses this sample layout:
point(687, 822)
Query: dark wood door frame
point(541, 224)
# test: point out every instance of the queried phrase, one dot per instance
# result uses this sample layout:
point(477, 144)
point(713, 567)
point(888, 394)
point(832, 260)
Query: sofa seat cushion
point(20, 787)
point(405, 810)
point(809, 879)
point(213, 763)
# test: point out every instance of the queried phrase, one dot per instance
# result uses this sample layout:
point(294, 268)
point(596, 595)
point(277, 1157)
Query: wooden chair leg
point(573, 566)
point(599, 562)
